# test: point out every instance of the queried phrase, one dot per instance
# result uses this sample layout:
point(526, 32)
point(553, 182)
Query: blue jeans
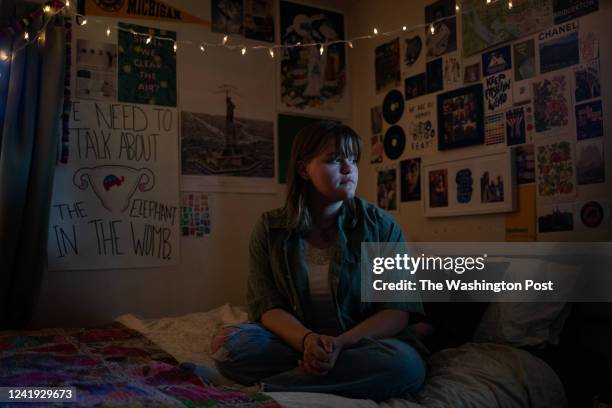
point(373, 369)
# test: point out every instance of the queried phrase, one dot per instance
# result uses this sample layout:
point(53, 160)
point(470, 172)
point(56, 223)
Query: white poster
point(227, 121)
point(421, 126)
point(116, 203)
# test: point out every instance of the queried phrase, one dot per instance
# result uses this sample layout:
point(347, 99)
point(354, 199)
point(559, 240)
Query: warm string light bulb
point(510, 5)
point(375, 31)
point(271, 53)
point(149, 39)
point(202, 47)
point(108, 31)
point(243, 50)
point(350, 44)
point(404, 28)
point(321, 49)
point(225, 38)
point(84, 22)
point(432, 29)
point(47, 8)
point(175, 47)
point(26, 35)
point(67, 3)
point(457, 7)
point(4, 56)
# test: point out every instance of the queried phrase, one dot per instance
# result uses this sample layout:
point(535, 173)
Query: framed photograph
point(460, 118)
point(474, 185)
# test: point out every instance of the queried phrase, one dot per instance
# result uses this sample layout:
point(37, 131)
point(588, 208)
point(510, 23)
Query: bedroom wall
point(212, 270)
point(388, 15)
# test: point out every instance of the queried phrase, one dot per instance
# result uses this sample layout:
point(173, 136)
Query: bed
point(149, 362)
point(471, 375)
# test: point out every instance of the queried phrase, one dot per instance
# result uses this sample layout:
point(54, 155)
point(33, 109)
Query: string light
point(202, 48)
point(432, 29)
point(375, 31)
point(175, 47)
point(84, 22)
point(67, 3)
point(108, 31)
point(271, 53)
point(149, 39)
point(47, 8)
point(321, 49)
point(4, 56)
point(243, 50)
point(510, 5)
point(350, 44)
point(488, 1)
point(457, 7)
point(26, 35)
point(225, 38)
point(404, 28)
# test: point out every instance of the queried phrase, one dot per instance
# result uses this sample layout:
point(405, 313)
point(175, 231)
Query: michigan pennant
point(140, 9)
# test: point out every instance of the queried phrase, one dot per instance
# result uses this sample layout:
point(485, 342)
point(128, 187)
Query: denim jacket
point(278, 276)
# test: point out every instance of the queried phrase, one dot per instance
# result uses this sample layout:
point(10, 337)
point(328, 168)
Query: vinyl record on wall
point(393, 106)
point(395, 142)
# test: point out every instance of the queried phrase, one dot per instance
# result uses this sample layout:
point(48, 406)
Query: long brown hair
point(308, 143)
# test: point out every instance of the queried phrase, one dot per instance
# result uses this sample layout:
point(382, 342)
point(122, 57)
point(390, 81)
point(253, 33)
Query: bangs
point(348, 143)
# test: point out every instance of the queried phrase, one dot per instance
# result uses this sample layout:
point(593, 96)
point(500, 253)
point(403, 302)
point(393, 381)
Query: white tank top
point(321, 302)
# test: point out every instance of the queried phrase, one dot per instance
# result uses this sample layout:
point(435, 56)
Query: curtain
point(28, 148)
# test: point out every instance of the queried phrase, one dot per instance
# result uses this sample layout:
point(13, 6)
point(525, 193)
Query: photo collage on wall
point(532, 92)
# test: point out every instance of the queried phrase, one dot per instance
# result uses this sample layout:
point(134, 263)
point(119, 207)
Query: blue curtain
point(31, 102)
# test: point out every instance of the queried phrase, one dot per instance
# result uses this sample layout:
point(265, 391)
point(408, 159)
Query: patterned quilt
point(110, 366)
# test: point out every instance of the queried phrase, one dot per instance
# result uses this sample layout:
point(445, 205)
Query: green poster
point(147, 71)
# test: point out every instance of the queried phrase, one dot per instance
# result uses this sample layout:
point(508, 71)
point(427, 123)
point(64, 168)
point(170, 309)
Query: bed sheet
point(475, 374)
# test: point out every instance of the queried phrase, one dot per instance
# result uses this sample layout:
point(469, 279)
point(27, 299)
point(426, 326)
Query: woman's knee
point(407, 368)
point(230, 342)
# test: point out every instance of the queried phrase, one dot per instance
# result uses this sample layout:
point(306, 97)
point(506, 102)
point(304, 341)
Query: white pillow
point(528, 323)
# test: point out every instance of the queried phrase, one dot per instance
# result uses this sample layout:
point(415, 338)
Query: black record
point(395, 142)
point(393, 106)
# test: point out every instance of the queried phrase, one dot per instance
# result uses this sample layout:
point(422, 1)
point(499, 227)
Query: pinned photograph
point(551, 104)
point(464, 185)
point(443, 39)
point(555, 218)
point(387, 65)
point(438, 188)
point(259, 20)
point(376, 149)
point(524, 60)
point(496, 61)
point(460, 118)
point(559, 47)
point(556, 174)
point(589, 120)
point(586, 82)
point(471, 73)
point(492, 183)
point(498, 91)
point(227, 16)
point(516, 133)
point(387, 189)
point(96, 73)
point(415, 86)
point(525, 164)
point(435, 81)
point(411, 179)
point(412, 52)
point(452, 71)
point(421, 127)
point(495, 129)
point(590, 165)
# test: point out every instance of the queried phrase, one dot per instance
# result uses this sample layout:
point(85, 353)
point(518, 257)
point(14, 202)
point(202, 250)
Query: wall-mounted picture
point(524, 60)
point(586, 82)
point(559, 47)
point(311, 82)
point(376, 149)
point(589, 120)
point(473, 185)
point(460, 118)
point(387, 66)
point(590, 165)
point(437, 187)
point(556, 173)
point(435, 80)
point(411, 179)
point(227, 16)
point(496, 61)
point(444, 38)
point(555, 218)
point(415, 86)
point(376, 118)
point(525, 164)
point(551, 104)
point(387, 189)
point(412, 52)
point(471, 73)
point(259, 19)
